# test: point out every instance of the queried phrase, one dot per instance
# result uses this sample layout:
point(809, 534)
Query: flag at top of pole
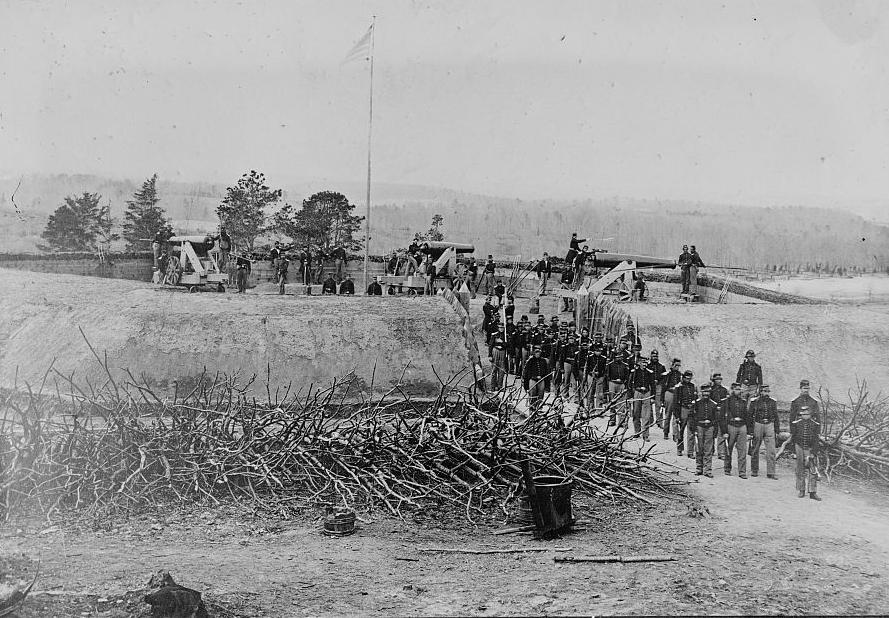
point(364, 50)
point(361, 50)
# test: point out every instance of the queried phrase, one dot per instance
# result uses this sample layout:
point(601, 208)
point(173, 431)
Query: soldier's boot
point(814, 496)
point(802, 493)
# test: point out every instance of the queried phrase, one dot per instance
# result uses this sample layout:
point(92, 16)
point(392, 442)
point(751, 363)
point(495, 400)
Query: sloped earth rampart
point(168, 337)
point(831, 345)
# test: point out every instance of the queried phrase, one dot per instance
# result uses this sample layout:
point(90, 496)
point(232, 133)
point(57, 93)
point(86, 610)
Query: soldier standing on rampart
point(749, 376)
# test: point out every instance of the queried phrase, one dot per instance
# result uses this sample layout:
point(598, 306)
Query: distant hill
point(725, 234)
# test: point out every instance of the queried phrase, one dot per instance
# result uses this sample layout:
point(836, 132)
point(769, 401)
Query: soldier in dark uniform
point(487, 276)
point(719, 394)
point(374, 289)
point(329, 285)
point(243, 266)
point(618, 371)
point(499, 291)
point(672, 379)
point(573, 250)
point(735, 418)
point(686, 394)
point(513, 347)
point(347, 287)
point(524, 349)
point(595, 376)
point(568, 357)
point(566, 282)
point(804, 399)
point(764, 426)
point(536, 378)
point(488, 310)
point(804, 436)
point(749, 376)
point(684, 263)
point(472, 276)
point(658, 372)
point(641, 386)
point(543, 269)
point(706, 421)
point(560, 343)
point(497, 356)
point(696, 262)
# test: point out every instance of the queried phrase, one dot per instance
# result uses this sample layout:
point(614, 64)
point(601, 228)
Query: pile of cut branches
point(122, 447)
point(855, 435)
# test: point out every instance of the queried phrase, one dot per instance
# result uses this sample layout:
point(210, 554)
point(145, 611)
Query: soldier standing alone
point(804, 433)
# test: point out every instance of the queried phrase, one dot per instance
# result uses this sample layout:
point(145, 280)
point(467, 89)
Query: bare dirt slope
point(170, 336)
point(831, 345)
point(761, 550)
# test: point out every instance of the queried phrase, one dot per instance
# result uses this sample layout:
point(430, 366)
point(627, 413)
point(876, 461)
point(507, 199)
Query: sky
point(745, 102)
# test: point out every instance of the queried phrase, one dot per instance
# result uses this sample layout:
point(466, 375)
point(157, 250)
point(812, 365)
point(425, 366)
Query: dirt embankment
point(831, 345)
point(168, 337)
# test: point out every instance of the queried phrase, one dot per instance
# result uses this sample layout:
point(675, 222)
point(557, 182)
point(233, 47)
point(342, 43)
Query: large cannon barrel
point(436, 247)
point(611, 259)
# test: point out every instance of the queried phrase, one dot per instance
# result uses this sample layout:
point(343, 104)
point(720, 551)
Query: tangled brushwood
point(121, 447)
point(855, 435)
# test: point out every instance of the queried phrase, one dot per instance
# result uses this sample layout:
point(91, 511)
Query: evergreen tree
point(76, 224)
point(243, 210)
point(144, 219)
point(324, 221)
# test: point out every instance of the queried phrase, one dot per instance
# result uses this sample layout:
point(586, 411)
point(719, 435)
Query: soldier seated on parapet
point(375, 289)
point(347, 287)
point(329, 285)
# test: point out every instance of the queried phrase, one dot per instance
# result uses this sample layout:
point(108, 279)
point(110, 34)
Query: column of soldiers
point(600, 373)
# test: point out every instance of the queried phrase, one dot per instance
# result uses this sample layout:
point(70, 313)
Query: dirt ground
point(757, 549)
point(761, 550)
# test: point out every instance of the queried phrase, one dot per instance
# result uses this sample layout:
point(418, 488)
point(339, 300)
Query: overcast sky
point(735, 101)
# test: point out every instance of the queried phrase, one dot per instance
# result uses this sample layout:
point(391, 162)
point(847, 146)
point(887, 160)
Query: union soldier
point(735, 418)
point(329, 285)
point(472, 276)
point(497, 356)
point(347, 287)
point(568, 357)
point(804, 399)
point(573, 250)
point(535, 378)
point(685, 398)
point(696, 262)
point(719, 394)
point(672, 379)
point(499, 291)
point(513, 347)
point(763, 423)
point(488, 310)
point(706, 421)
point(804, 435)
point(595, 376)
point(243, 265)
point(684, 263)
point(544, 269)
point(641, 386)
point(749, 376)
point(565, 283)
point(560, 343)
point(618, 372)
point(659, 373)
point(487, 276)
point(375, 289)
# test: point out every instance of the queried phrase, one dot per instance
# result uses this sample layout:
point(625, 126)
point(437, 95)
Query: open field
point(169, 337)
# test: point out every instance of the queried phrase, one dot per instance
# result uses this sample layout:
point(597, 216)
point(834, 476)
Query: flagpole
point(370, 122)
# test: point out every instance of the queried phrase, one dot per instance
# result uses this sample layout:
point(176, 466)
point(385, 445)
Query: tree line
point(248, 210)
